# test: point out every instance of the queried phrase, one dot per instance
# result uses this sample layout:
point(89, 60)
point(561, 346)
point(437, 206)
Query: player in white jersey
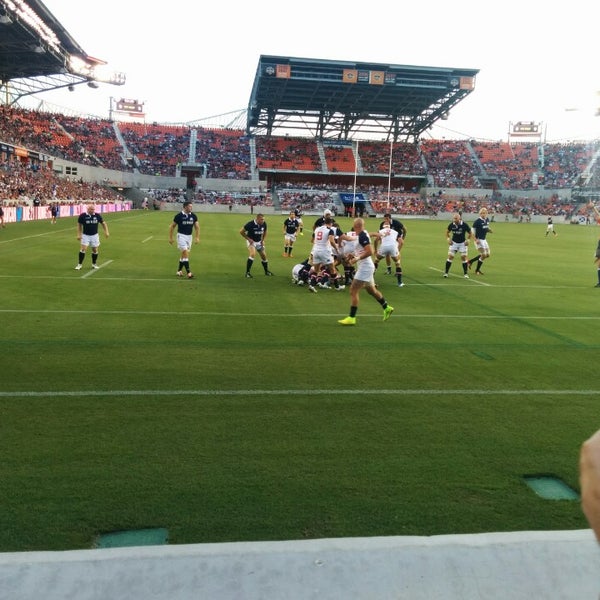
point(388, 246)
point(347, 245)
point(322, 254)
point(363, 277)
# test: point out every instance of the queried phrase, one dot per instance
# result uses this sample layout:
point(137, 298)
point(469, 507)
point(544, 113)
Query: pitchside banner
point(16, 214)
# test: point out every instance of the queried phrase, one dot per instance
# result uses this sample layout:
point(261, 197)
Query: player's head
point(327, 213)
point(187, 206)
point(91, 209)
point(260, 218)
point(483, 212)
point(358, 225)
point(456, 218)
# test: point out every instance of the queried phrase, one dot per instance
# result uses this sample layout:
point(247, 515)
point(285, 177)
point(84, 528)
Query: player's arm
point(365, 252)
point(197, 230)
point(401, 238)
point(332, 242)
point(105, 227)
point(589, 478)
point(79, 230)
point(171, 229)
point(245, 235)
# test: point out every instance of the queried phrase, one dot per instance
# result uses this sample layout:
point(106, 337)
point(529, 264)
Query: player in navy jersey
point(186, 223)
point(301, 272)
point(458, 234)
point(550, 227)
point(321, 220)
point(291, 226)
point(298, 216)
point(255, 233)
point(87, 234)
point(363, 278)
point(480, 229)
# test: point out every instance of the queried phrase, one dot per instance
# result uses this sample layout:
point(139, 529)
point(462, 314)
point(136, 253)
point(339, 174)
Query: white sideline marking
point(287, 315)
point(92, 271)
point(428, 284)
point(28, 237)
point(303, 392)
point(147, 239)
point(461, 277)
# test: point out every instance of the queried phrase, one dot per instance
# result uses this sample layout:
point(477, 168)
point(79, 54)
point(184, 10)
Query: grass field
point(228, 409)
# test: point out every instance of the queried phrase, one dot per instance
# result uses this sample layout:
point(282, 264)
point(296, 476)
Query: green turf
point(226, 409)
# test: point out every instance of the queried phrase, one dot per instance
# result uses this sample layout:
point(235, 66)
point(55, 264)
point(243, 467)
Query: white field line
point(302, 392)
point(462, 277)
point(29, 237)
point(429, 284)
point(92, 271)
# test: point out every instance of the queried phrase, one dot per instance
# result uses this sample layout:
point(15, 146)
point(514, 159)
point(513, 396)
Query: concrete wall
point(492, 566)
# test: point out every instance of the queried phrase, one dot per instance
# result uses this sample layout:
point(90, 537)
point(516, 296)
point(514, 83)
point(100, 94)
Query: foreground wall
point(494, 566)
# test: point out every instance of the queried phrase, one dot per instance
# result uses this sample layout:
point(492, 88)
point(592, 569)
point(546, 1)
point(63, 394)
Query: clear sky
point(189, 60)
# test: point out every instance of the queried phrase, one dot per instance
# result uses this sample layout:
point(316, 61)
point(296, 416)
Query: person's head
point(328, 220)
point(91, 209)
point(456, 218)
point(387, 217)
point(483, 212)
point(327, 213)
point(358, 225)
point(260, 218)
point(292, 215)
point(187, 207)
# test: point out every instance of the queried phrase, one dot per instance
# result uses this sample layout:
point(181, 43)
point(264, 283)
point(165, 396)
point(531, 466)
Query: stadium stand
point(450, 164)
point(287, 154)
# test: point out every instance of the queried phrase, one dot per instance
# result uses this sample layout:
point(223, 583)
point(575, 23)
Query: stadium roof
point(37, 54)
point(338, 99)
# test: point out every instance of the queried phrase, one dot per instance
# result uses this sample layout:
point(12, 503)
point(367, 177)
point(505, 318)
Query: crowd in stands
point(28, 184)
point(405, 158)
point(291, 154)
point(226, 154)
point(242, 198)
point(450, 163)
point(306, 201)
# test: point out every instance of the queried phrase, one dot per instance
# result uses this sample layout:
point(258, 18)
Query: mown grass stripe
point(304, 392)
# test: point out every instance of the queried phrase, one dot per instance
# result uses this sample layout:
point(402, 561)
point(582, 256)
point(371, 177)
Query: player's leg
point(250, 259)
point(82, 250)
